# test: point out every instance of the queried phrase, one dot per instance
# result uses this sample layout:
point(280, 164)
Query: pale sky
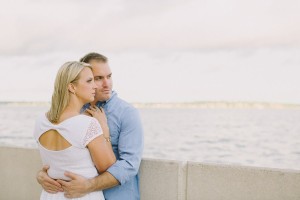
point(159, 51)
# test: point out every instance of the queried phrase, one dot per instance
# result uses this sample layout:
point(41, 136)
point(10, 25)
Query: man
point(121, 180)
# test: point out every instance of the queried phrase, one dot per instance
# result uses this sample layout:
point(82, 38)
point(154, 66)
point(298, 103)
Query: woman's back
point(63, 146)
point(54, 141)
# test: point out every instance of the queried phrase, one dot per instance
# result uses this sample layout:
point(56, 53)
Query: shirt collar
point(99, 103)
point(102, 103)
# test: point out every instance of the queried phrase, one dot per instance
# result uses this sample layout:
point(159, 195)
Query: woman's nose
point(95, 85)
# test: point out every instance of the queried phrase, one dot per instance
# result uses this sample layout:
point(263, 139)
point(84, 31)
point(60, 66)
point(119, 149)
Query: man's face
point(103, 80)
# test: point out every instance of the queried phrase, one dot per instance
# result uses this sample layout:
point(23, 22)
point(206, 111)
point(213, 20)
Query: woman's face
point(85, 88)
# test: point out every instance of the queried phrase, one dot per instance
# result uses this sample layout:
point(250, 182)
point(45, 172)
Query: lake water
point(250, 137)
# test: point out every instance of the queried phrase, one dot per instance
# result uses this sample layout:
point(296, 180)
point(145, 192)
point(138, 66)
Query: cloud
point(32, 27)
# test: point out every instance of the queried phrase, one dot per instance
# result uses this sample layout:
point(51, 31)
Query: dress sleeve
point(94, 130)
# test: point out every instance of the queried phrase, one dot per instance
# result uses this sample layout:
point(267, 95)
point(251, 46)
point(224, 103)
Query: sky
point(159, 51)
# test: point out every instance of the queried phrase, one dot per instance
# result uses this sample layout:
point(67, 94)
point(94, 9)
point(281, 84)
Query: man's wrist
point(91, 185)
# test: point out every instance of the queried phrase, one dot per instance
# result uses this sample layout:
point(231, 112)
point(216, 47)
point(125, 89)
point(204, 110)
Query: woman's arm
point(101, 152)
point(100, 148)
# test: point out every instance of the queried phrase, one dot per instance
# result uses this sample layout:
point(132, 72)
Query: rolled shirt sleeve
point(130, 146)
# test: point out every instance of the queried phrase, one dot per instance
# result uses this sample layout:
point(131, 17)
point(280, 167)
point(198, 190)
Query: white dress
point(78, 131)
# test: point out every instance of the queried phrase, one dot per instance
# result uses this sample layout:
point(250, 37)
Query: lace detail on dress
point(93, 131)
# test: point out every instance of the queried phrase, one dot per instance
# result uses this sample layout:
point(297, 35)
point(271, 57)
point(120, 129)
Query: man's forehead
point(101, 69)
point(99, 65)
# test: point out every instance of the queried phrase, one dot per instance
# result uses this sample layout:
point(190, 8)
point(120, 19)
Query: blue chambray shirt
point(128, 142)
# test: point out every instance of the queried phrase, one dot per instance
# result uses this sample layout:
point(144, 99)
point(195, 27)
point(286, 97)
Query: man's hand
point(77, 187)
point(49, 185)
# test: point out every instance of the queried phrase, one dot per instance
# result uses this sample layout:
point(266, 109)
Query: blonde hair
point(68, 73)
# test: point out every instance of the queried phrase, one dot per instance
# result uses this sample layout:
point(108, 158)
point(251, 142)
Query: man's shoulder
point(121, 103)
point(125, 109)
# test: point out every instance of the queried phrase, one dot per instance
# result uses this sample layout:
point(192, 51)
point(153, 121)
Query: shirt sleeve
point(130, 147)
point(94, 130)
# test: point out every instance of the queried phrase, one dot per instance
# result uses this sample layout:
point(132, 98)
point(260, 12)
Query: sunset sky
point(159, 51)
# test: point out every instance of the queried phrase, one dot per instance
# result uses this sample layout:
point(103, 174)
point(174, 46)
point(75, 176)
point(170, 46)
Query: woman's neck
point(93, 103)
point(72, 109)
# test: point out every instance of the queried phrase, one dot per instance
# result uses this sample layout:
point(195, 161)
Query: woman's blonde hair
point(68, 73)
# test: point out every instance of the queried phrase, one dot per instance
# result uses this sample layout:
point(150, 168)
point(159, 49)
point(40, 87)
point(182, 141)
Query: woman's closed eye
point(89, 80)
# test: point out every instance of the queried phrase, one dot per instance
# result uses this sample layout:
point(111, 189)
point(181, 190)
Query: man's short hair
point(93, 56)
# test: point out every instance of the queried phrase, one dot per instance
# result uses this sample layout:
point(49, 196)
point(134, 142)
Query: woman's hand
point(100, 115)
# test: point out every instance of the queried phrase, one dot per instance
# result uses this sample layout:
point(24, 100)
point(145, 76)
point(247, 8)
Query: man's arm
point(80, 186)
point(130, 146)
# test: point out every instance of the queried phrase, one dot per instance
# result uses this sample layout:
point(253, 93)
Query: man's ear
point(71, 88)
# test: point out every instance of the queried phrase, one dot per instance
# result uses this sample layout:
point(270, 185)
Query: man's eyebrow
point(99, 76)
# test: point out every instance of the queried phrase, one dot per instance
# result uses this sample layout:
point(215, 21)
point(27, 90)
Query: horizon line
point(174, 103)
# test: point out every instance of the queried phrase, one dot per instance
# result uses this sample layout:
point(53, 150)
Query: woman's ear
point(71, 88)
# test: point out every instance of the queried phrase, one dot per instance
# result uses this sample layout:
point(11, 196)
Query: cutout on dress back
point(54, 141)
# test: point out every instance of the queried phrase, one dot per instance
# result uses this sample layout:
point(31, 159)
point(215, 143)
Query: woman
point(68, 140)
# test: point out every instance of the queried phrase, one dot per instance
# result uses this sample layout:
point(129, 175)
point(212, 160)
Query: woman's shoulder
point(86, 128)
point(86, 118)
point(84, 121)
point(41, 124)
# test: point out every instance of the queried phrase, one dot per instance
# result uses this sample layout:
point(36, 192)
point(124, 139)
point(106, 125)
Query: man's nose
point(105, 82)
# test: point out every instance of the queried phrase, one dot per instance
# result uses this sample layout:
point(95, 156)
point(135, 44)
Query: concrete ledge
point(210, 182)
point(18, 168)
point(163, 180)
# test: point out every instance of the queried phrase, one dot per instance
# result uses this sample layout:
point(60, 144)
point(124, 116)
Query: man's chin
point(104, 97)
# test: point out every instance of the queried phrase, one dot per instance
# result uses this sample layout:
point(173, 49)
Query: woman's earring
point(72, 92)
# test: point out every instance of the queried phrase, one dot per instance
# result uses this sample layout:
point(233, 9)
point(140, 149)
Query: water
point(251, 137)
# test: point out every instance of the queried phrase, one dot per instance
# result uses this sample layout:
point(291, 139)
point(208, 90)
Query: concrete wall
point(210, 182)
point(18, 168)
point(163, 180)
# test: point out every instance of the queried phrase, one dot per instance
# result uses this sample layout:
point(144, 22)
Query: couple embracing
point(90, 140)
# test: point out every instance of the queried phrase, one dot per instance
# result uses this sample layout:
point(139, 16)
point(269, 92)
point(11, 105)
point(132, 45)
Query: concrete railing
point(163, 180)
